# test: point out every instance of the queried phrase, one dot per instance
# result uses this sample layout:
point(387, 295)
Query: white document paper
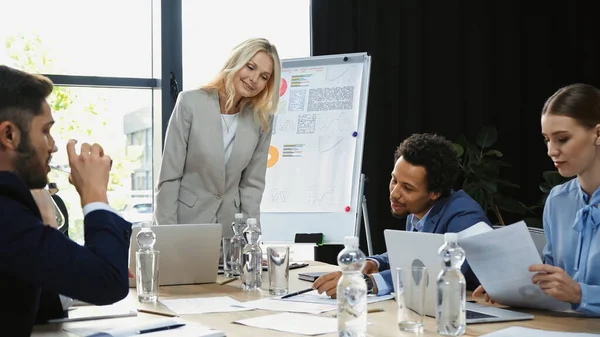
point(313, 138)
point(190, 329)
point(96, 312)
point(204, 305)
point(294, 323)
point(315, 297)
point(500, 259)
point(274, 304)
point(526, 332)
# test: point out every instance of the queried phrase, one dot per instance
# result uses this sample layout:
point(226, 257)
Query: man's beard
point(28, 166)
point(399, 216)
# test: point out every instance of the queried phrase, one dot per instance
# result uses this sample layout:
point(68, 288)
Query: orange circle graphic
point(273, 156)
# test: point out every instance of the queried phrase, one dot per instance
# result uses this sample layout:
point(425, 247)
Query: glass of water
point(279, 269)
point(147, 275)
point(410, 297)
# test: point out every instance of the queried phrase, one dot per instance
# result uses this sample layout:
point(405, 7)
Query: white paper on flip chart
point(275, 304)
point(190, 329)
point(500, 258)
point(527, 332)
point(204, 305)
point(315, 297)
point(293, 323)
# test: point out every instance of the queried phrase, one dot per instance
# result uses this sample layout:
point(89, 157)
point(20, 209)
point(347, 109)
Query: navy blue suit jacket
point(35, 257)
point(452, 214)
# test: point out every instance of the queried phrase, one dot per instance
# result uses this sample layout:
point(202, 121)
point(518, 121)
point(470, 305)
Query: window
point(104, 60)
point(74, 37)
point(212, 28)
point(101, 115)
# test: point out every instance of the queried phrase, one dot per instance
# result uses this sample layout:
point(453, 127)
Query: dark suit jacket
point(452, 214)
point(34, 256)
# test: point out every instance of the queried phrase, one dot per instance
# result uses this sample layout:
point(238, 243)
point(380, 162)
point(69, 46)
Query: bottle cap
point(451, 237)
point(351, 241)
point(146, 224)
point(251, 221)
point(239, 215)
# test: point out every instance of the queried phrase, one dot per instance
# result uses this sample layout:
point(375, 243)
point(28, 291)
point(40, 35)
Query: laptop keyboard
point(475, 315)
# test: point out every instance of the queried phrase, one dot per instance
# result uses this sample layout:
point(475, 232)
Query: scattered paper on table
point(191, 329)
point(315, 297)
point(204, 305)
point(293, 323)
point(275, 304)
point(526, 332)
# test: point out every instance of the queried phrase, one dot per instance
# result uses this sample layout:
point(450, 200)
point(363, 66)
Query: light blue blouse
point(571, 223)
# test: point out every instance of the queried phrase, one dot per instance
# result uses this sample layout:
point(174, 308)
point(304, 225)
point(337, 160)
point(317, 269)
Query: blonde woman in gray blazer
point(217, 142)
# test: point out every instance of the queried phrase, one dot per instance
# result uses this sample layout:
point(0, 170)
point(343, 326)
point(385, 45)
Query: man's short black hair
point(437, 155)
point(21, 96)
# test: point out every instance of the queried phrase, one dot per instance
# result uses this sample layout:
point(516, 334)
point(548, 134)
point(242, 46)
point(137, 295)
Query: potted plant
point(481, 167)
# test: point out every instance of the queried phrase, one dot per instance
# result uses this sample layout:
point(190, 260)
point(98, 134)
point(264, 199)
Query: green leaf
point(487, 136)
point(459, 149)
point(489, 186)
point(494, 153)
point(511, 205)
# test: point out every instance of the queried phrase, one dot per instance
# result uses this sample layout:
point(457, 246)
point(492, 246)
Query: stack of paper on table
point(189, 330)
point(293, 323)
point(500, 259)
point(526, 332)
point(204, 305)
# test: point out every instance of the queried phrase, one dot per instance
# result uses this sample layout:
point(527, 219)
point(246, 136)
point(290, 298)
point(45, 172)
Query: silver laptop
point(406, 249)
point(189, 254)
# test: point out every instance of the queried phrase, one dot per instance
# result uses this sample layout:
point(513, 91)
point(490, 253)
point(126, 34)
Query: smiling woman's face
point(571, 146)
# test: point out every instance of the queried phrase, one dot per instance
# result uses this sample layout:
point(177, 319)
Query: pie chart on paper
point(283, 87)
point(273, 156)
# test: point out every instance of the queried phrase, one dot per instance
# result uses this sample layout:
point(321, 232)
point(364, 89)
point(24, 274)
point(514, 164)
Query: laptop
point(406, 249)
point(189, 254)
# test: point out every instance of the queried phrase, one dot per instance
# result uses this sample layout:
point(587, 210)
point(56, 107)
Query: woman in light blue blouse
point(571, 130)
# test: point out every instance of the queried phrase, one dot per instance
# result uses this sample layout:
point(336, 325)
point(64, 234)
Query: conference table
point(382, 324)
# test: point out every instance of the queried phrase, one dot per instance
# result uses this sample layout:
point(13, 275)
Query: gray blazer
point(195, 185)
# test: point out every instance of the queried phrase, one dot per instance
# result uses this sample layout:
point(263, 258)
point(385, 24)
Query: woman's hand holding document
point(501, 259)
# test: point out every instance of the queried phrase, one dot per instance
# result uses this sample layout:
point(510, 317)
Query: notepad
point(190, 329)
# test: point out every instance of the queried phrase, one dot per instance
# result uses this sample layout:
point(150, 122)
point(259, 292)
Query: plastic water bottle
point(237, 243)
point(252, 257)
point(147, 264)
point(451, 289)
point(352, 291)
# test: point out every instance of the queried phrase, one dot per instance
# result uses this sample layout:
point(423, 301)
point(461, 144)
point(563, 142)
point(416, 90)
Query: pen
point(228, 281)
point(297, 293)
point(370, 311)
point(162, 328)
point(156, 312)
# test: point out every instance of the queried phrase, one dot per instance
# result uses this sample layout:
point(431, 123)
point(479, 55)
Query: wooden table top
point(383, 324)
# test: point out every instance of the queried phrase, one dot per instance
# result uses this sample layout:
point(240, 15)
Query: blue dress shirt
point(571, 221)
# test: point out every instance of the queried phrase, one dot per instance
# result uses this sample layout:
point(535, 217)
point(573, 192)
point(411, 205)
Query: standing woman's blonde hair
point(265, 103)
